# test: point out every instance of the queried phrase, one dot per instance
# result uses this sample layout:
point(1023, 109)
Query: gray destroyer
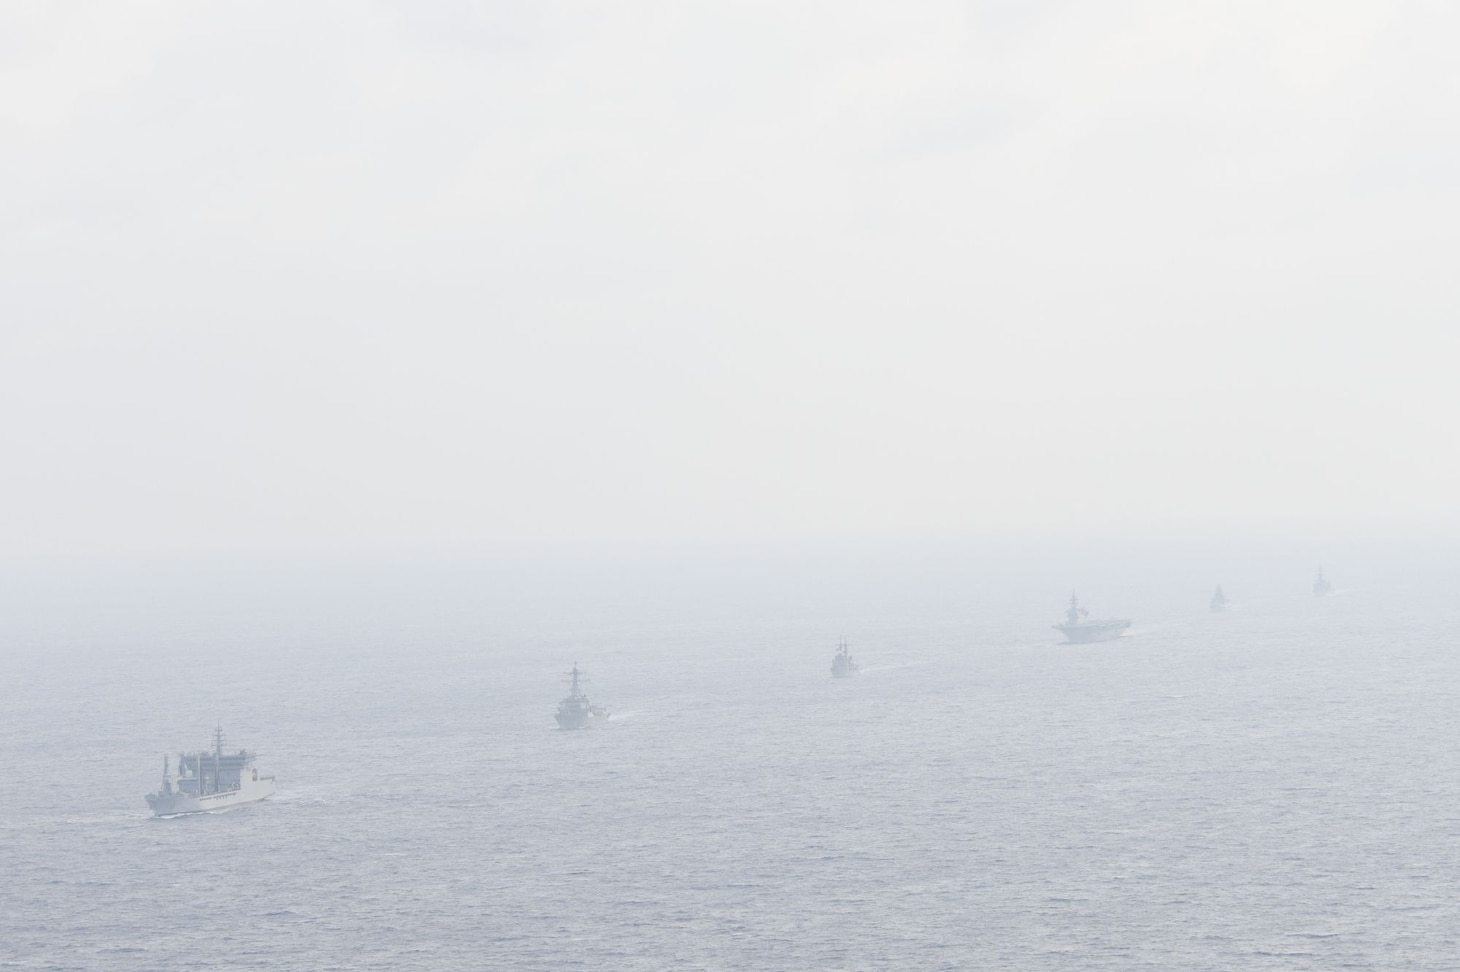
point(576, 712)
point(842, 665)
point(1080, 629)
point(210, 780)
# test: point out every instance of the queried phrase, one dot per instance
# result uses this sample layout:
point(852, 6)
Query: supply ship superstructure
point(210, 780)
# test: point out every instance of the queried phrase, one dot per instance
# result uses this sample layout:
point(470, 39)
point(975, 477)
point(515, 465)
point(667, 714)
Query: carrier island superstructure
point(210, 779)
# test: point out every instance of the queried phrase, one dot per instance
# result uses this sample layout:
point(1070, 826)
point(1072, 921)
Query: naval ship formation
point(210, 779)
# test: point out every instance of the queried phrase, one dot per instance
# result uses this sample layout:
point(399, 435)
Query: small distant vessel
point(1079, 629)
point(576, 712)
point(1219, 600)
point(842, 665)
point(210, 780)
point(1322, 585)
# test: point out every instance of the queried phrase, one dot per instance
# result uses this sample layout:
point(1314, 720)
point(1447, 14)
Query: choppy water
point(1275, 788)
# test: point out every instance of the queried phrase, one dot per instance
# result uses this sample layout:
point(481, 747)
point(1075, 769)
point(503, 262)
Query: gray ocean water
point(1273, 788)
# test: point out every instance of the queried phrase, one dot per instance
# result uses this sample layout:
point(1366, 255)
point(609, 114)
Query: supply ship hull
point(170, 805)
point(210, 780)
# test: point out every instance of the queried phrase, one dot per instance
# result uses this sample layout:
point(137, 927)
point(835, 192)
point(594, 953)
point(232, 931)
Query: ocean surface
point(1276, 788)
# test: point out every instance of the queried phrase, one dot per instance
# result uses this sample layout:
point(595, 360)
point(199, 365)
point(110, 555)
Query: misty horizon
point(436, 275)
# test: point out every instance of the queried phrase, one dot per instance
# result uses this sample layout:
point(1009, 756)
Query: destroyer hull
point(174, 804)
point(1092, 631)
point(580, 719)
point(578, 723)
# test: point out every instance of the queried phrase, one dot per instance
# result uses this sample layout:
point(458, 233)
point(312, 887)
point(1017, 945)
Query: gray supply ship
point(1219, 600)
point(576, 712)
point(1079, 629)
point(1322, 585)
point(210, 780)
point(842, 665)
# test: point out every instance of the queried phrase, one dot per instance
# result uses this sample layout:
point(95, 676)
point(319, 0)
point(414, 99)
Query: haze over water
point(1273, 788)
point(722, 332)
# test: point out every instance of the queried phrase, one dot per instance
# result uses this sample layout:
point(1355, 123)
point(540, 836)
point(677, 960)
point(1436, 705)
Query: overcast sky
point(426, 273)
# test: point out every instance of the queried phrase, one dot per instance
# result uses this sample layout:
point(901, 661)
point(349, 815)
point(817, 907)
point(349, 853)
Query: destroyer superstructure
point(842, 665)
point(576, 712)
point(1080, 629)
point(210, 779)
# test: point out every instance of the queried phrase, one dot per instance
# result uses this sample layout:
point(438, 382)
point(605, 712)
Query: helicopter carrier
point(1080, 629)
point(210, 780)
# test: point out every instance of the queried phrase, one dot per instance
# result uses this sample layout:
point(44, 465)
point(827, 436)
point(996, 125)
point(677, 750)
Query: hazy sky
point(430, 272)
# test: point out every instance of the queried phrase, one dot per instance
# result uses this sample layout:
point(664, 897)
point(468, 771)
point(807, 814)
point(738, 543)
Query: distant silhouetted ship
point(1079, 629)
point(576, 712)
point(1322, 585)
point(842, 665)
point(1219, 600)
